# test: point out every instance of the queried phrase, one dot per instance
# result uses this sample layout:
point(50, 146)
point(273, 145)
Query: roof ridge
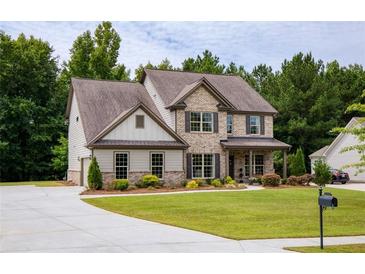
point(195, 72)
point(107, 80)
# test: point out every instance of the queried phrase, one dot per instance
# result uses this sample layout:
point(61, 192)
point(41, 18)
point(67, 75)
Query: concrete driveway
point(54, 219)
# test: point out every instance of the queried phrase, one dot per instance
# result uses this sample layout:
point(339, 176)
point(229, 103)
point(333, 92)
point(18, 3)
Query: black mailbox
point(327, 201)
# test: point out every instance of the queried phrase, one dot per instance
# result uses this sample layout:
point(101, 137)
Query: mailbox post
point(321, 218)
point(324, 201)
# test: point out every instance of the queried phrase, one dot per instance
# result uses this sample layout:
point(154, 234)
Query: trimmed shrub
point(227, 180)
point(121, 184)
point(297, 163)
point(284, 181)
point(201, 182)
point(216, 183)
point(148, 180)
point(303, 180)
point(94, 177)
point(192, 184)
point(322, 173)
point(270, 179)
point(231, 182)
point(255, 180)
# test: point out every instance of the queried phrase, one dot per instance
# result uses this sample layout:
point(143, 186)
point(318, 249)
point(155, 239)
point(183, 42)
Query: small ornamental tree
point(59, 160)
point(94, 178)
point(322, 173)
point(297, 163)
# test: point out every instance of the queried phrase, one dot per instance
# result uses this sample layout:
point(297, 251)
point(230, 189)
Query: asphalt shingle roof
point(238, 92)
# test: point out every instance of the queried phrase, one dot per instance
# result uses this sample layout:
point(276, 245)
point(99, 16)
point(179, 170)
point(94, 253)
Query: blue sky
point(245, 43)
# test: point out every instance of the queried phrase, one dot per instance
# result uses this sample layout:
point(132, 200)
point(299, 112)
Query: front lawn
point(33, 183)
point(270, 213)
point(350, 248)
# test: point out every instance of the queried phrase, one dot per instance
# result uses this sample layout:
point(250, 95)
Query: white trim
point(259, 125)
point(213, 166)
point(201, 122)
point(163, 162)
point(115, 162)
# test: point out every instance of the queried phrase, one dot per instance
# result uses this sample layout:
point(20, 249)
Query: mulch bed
point(155, 190)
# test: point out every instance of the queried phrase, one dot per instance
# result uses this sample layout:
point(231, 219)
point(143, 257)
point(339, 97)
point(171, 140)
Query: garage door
point(85, 169)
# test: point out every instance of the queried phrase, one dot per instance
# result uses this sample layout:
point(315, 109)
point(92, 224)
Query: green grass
point(351, 248)
point(270, 213)
point(32, 183)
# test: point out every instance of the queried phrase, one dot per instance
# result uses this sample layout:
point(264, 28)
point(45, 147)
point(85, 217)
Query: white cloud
point(246, 43)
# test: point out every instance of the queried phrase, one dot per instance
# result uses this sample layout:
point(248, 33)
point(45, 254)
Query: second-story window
point(254, 124)
point(201, 122)
point(229, 123)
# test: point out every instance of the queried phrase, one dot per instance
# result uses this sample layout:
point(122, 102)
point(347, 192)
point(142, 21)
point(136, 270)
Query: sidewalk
point(277, 245)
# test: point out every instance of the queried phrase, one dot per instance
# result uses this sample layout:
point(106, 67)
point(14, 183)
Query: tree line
point(311, 96)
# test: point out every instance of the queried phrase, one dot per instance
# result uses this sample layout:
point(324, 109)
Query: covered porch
point(248, 157)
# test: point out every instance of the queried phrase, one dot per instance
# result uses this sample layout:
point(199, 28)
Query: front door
point(231, 166)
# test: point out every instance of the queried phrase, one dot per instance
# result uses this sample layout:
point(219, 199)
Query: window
point(201, 121)
point(121, 165)
point(259, 164)
point(157, 164)
point(139, 121)
point(203, 166)
point(254, 124)
point(229, 123)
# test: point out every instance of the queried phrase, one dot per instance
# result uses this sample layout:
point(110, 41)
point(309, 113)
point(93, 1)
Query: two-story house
point(176, 125)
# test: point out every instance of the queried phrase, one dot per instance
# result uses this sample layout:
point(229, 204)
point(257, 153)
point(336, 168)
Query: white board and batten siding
point(139, 160)
point(167, 115)
point(76, 138)
point(127, 130)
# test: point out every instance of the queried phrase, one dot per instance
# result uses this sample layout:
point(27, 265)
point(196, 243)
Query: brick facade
point(239, 126)
point(203, 142)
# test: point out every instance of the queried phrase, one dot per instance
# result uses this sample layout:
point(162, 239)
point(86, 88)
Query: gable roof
point(324, 151)
point(190, 88)
point(100, 102)
point(125, 114)
point(238, 92)
point(319, 152)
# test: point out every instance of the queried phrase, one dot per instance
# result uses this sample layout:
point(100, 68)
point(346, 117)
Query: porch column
point(284, 164)
point(227, 162)
point(251, 164)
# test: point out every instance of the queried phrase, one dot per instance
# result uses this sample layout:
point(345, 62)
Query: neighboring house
point(176, 125)
point(333, 156)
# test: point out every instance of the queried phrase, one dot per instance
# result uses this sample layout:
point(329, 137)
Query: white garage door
point(85, 169)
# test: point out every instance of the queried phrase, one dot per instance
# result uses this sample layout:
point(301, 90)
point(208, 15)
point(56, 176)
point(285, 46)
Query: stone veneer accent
point(203, 142)
point(74, 176)
point(171, 178)
point(239, 161)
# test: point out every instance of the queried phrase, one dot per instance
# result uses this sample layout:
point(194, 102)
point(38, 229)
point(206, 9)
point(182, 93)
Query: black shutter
point(262, 125)
point(217, 166)
point(188, 165)
point(248, 124)
point(187, 121)
point(215, 122)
